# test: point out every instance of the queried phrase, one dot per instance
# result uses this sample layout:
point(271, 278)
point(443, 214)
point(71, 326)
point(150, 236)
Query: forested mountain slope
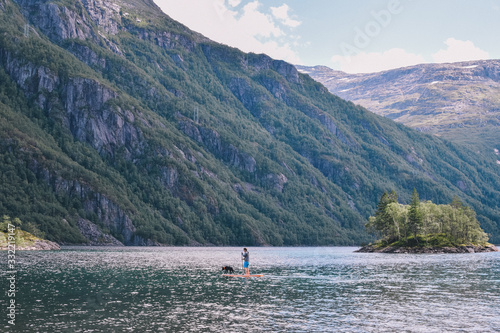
point(457, 101)
point(118, 124)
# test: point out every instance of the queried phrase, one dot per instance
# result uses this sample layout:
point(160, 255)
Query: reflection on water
point(303, 290)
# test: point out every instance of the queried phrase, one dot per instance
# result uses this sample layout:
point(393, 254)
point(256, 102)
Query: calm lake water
point(303, 290)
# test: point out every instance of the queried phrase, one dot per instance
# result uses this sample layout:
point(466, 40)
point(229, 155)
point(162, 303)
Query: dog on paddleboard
point(227, 270)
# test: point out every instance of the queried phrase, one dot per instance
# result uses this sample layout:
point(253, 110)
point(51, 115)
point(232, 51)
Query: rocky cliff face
point(82, 20)
point(111, 216)
point(215, 144)
point(106, 129)
point(58, 22)
point(95, 236)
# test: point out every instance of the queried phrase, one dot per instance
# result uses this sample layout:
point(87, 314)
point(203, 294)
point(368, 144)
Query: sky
point(354, 36)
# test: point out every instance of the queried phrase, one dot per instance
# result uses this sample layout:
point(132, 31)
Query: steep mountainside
point(120, 125)
point(459, 101)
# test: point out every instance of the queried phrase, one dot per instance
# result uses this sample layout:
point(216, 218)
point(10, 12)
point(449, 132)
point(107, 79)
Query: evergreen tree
point(383, 222)
point(392, 197)
point(456, 203)
point(414, 215)
point(382, 204)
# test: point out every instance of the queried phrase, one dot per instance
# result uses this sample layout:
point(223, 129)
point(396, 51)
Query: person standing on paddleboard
point(245, 256)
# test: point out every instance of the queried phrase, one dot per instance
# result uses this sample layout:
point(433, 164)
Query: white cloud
point(459, 50)
point(248, 28)
point(234, 3)
point(256, 23)
point(356, 61)
point(281, 13)
point(364, 62)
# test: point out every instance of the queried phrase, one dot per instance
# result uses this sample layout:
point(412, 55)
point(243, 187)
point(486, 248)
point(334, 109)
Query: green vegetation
point(425, 223)
point(199, 143)
point(22, 238)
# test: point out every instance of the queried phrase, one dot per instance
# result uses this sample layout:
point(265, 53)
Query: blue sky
point(355, 36)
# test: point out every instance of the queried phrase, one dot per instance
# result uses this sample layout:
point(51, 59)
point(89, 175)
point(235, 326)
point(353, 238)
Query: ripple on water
point(303, 290)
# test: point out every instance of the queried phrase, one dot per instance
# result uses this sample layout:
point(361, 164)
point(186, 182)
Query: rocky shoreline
point(38, 245)
point(430, 250)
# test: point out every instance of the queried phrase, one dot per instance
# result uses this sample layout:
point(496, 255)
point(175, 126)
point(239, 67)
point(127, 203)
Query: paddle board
point(241, 275)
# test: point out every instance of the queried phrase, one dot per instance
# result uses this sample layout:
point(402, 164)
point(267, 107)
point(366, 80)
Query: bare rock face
point(168, 40)
point(262, 62)
point(277, 181)
point(32, 78)
point(288, 71)
point(87, 55)
point(169, 177)
point(88, 114)
point(95, 236)
point(212, 140)
point(112, 216)
point(105, 14)
point(105, 127)
point(59, 23)
point(251, 98)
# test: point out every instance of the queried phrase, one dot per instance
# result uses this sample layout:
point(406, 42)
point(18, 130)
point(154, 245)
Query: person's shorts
point(245, 264)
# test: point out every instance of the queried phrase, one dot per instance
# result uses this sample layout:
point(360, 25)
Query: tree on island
point(385, 222)
point(446, 225)
point(414, 215)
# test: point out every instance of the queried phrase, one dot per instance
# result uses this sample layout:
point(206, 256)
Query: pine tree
point(456, 203)
point(383, 222)
point(393, 197)
point(414, 215)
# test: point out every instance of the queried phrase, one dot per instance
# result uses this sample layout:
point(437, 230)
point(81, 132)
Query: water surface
point(85, 289)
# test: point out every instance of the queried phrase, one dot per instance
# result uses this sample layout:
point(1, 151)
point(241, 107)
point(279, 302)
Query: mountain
point(118, 125)
point(458, 101)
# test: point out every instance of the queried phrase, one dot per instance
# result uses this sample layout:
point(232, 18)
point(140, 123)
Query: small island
point(11, 234)
point(425, 227)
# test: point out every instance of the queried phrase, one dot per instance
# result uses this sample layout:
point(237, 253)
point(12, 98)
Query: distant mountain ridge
point(459, 101)
point(119, 125)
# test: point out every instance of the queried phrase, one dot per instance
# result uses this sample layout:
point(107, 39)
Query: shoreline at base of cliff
point(27, 242)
